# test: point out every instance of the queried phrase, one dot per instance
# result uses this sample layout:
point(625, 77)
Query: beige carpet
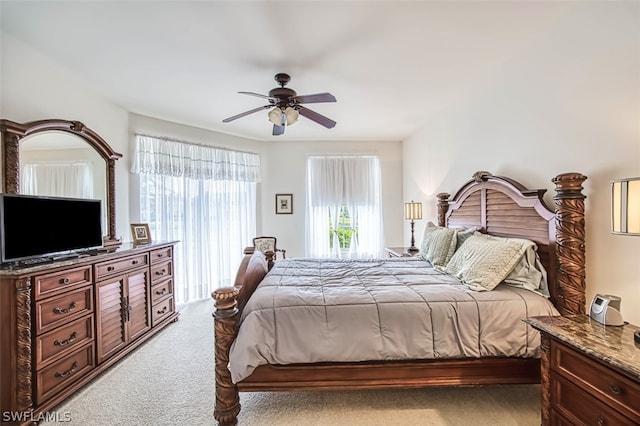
point(169, 381)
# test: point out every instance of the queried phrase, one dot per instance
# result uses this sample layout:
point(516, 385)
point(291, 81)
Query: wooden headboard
point(501, 206)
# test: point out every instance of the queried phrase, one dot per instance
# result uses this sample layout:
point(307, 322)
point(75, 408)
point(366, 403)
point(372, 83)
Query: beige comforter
point(328, 310)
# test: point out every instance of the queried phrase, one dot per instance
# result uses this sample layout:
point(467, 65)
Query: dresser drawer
point(56, 343)
point(162, 254)
point(58, 282)
point(161, 291)
point(59, 310)
point(161, 311)
point(105, 269)
point(57, 376)
point(608, 385)
point(580, 407)
point(161, 271)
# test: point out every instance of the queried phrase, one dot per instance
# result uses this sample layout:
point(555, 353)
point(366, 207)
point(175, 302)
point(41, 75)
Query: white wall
point(570, 102)
point(284, 171)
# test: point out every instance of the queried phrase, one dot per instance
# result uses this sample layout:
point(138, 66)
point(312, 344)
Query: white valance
point(174, 158)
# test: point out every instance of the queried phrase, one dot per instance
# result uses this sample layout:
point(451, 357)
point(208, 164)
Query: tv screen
point(36, 226)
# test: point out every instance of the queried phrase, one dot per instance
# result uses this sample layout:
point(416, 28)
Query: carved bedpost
point(545, 382)
point(570, 240)
point(443, 206)
point(226, 326)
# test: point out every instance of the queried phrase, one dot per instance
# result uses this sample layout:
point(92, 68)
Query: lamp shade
point(413, 211)
point(625, 206)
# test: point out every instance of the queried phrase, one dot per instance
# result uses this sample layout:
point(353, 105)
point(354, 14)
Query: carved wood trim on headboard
point(501, 206)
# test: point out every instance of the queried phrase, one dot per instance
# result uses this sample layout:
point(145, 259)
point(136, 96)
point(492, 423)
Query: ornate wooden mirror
point(55, 135)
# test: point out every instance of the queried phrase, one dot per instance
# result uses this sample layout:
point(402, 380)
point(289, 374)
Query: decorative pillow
point(483, 261)
point(529, 273)
point(462, 236)
point(438, 244)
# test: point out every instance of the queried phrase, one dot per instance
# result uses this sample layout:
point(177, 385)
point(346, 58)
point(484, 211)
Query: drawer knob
point(65, 281)
point(65, 342)
point(72, 306)
point(69, 371)
point(135, 262)
point(111, 268)
point(160, 255)
point(615, 389)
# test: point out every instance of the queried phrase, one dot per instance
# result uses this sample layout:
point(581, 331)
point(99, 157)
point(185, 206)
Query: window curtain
point(355, 183)
point(203, 197)
point(72, 179)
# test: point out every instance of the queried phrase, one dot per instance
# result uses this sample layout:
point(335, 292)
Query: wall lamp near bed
point(625, 206)
point(413, 212)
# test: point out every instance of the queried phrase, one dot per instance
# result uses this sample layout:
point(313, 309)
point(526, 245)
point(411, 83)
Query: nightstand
point(590, 373)
point(400, 252)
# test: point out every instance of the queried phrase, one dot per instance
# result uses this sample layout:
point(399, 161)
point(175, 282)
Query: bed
point(493, 205)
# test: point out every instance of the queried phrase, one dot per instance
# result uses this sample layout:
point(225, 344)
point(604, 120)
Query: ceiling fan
point(287, 106)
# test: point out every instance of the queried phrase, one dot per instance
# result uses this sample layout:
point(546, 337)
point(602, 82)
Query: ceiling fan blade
point(258, 95)
point(315, 98)
point(242, 114)
point(278, 130)
point(318, 118)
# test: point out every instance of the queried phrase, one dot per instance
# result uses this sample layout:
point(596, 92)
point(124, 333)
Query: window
point(344, 207)
point(203, 197)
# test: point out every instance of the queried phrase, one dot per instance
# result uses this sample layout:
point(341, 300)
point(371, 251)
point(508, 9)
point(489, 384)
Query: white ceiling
point(391, 65)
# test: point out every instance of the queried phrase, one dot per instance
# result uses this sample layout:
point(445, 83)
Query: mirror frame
point(13, 133)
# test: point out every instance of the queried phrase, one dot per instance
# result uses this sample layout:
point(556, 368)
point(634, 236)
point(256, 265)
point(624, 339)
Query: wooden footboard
point(482, 202)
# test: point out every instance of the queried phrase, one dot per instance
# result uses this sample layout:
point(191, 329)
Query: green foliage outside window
point(345, 230)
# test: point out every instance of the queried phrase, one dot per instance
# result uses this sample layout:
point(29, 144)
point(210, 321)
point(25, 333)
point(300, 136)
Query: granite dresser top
point(612, 345)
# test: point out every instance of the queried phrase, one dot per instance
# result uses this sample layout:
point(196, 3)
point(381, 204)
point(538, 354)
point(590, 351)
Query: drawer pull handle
point(72, 306)
point(615, 389)
point(161, 292)
point(160, 254)
point(134, 262)
point(65, 281)
point(65, 342)
point(600, 420)
point(111, 268)
point(69, 371)
point(163, 311)
point(164, 271)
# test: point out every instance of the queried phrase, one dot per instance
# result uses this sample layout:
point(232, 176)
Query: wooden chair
point(266, 244)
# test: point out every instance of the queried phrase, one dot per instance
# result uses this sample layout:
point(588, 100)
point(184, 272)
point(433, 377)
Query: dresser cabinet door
point(138, 298)
point(110, 316)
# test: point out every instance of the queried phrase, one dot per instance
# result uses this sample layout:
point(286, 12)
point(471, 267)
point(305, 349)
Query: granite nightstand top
point(609, 344)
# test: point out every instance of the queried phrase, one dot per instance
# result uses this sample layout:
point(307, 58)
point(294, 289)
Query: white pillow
point(484, 261)
point(438, 244)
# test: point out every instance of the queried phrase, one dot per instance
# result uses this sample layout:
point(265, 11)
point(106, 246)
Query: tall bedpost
point(443, 206)
point(226, 325)
point(570, 240)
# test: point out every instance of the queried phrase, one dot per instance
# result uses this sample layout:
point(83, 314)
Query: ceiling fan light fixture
point(292, 115)
point(275, 115)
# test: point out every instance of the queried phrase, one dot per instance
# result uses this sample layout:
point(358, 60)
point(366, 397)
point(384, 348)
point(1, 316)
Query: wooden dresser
point(63, 323)
point(590, 373)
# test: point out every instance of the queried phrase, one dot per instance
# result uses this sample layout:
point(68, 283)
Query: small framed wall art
point(140, 233)
point(284, 203)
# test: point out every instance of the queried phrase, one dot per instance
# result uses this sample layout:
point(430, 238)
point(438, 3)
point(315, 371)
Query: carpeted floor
point(169, 381)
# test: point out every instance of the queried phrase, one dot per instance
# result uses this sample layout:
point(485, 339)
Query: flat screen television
point(39, 227)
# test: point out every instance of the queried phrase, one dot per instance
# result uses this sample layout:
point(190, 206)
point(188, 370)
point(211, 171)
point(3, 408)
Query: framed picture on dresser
point(140, 233)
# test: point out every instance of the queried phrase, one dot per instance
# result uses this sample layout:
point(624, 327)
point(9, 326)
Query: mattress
point(338, 310)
